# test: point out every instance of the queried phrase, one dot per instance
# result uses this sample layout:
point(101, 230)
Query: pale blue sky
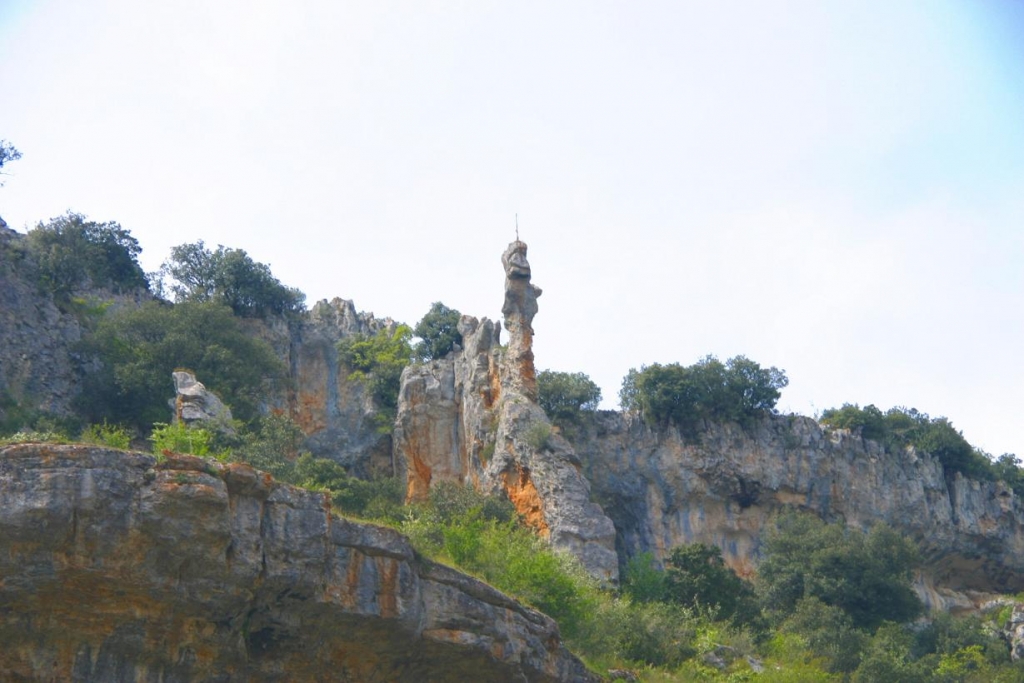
point(836, 189)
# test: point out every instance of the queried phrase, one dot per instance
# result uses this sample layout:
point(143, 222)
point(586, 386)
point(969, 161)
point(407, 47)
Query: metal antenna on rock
point(517, 227)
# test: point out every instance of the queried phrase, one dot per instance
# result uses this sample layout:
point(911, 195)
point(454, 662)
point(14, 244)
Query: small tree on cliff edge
point(438, 332)
point(8, 152)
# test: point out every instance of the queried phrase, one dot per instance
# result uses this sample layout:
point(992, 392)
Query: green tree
point(696, 576)
point(866, 575)
point(829, 633)
point(739, 390)
point(438, 332)
point(868, 421)
point(138, 349)
point(73, 253)
point(900, 427)
point(231, 277)
point(8, 153)
point(377, 361)
point(643, 581)
point(564, 396)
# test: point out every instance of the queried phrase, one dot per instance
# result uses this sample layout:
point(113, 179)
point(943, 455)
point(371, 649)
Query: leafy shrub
point(8, 153)
point(901, 427)
point(377, 361)
point(104, 434)
point(180, 438)
point(696, 576)
point(564, 396)
point(271, 443)
point(230, 277)
point(829, 634)
point(139, 349)
point(438, 332)
point(73, 253)
point(739, 390)
point(866, 575)
point(537, 435)
point(22, 416)
point(642, 580)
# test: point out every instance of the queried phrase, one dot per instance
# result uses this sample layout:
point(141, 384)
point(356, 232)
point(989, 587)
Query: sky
point(834, 189)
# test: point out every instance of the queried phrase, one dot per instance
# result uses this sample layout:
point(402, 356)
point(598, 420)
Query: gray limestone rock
point(663, 490)
point(194, 403)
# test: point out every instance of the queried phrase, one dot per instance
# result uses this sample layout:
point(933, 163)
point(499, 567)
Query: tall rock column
point(473, 417)
point(519, 308)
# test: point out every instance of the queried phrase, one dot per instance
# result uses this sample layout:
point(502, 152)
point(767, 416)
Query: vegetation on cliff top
point(900, 427)
point(738, 390)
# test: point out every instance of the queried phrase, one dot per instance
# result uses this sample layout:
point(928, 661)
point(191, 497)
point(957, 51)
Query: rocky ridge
point(662, 490)
point(116, 567)
point(472, 417)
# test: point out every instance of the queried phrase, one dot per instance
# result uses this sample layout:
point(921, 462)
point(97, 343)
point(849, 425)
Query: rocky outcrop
point(473, 418)
point(38, 368)
point(662, 490)
point(194, 403)
point(115, 567)
point(335, 413)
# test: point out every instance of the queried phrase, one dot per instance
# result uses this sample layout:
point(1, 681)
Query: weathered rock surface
point(662, 491)
point(472, 417)
point(37, 367)
point(116, 568)
point(335, 413)
point(193, 402)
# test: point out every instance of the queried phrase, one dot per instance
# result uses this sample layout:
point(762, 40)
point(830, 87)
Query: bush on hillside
point(739, 390)
point(900, 427)
point(73, 254)
point(377, 361)
point(229, 277)
point(438, 332)
point(139, 349)
point(566, 396)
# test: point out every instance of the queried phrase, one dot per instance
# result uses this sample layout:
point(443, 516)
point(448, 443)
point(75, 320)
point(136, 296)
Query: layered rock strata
point(725, 487)
point(117, 568)
point(472, 417)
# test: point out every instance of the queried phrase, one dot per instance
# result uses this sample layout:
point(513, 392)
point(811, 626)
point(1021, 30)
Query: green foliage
point(105, 434)
point(739, 390)
point(229, 277)
point(564, 396)
point(1008, 470)
point(377, 361)
point(537, 435)
point(180, 438)
point(828, 632)
point(72, 253)
point(643, 581)
point(139, 349)
point(271, 443)
point(900, 427)
point(438, 332)
point(866, 575)
point(696, 576)
point(8, 153)
point(20, 416)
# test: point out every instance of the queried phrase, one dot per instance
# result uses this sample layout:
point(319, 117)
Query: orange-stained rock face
point(116, 568)
point(523, 494)
point(418, 482)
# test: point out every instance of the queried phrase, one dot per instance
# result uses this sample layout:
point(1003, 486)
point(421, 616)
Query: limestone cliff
point(335, 413)
point(41, 368)
point(662, 490)
point(38, 367)
point(472, 417)
point(117, 568)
